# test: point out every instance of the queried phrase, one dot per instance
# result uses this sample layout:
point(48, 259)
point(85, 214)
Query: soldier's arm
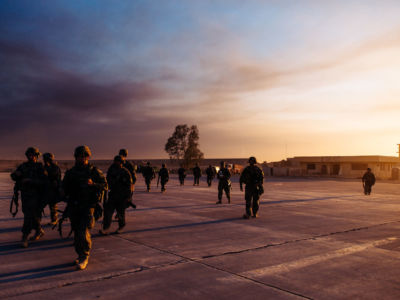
point(99, 182)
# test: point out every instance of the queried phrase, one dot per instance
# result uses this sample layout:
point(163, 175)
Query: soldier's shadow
point(35, 273)
point(11, 248)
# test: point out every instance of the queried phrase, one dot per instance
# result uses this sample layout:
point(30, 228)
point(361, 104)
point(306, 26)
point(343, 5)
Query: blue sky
point(265, 78)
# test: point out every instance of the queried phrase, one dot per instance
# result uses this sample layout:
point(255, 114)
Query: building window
point(359, 166)
point(311, 167)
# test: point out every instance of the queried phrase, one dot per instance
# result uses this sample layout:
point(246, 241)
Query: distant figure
point(84, 185)
point(30, 177)
point(120, 186)
point(252, 176)
point(210, 171)
point(53, 185)
point(163, 175)
point(182, 175)
point(224, 183)
point(131, 168)
point(196, 174)
point(148, 174)
point(368, 181)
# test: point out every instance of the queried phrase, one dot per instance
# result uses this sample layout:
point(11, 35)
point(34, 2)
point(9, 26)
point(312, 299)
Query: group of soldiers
point(84, 187)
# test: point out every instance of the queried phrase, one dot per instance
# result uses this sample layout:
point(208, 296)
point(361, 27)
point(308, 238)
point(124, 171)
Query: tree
point(183, 145)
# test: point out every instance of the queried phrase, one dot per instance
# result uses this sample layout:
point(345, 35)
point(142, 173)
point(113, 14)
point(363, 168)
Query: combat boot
point(120, 230)
point(229, 200)
point(246, 216)
point(218, 202)
point(24, 243)
point(82, 263)
point(37, 235)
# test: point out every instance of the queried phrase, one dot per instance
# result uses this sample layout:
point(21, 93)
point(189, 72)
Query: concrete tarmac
point(314, 239)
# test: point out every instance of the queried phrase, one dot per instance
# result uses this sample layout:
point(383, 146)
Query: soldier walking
point(368, 181)
point(53, 185)
point(163, 174)
point(84, 186)
point(30, 177)
point(210, 171)
point(182, 175)
point(196, 174)
point(131, 168)
point(224, 183)
point(252, 176)
point(148, 174)
point(120, 185)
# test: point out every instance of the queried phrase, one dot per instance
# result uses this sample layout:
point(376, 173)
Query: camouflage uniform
point(368, 180)
point(210, 175)
point(163, 174)
point(196, 175)
point(82, 199)
point(31, 177)
point(53, 185)
point(252, 176)
point(224, 184)
point(119, 180)
point(182, 175)
point(149, 175)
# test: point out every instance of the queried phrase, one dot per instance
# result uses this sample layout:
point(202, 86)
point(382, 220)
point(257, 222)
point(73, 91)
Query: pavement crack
point(298, 240)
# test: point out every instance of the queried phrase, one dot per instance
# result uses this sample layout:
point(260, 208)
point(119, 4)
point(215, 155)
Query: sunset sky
point(273, 79)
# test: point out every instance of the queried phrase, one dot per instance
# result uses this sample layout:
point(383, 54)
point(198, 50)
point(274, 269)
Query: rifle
point(14, 201)
point(65, 216)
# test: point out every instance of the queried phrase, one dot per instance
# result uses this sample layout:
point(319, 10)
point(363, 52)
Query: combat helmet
point(252, 159)
point(48, 156)
point(123, 152)
point(82, 150)
point(32, 150)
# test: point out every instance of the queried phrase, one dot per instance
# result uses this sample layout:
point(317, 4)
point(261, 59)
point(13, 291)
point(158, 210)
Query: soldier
point(182, 175)
point(163, 174)
point(196, 174)
point(119, 180)
point(210, 174)
point(252, 176)
point(224, 183)
point(30, 178)
point(127, 165)
point(368, 181)
point(148, 174)
point(84, 186)
point(53, 185)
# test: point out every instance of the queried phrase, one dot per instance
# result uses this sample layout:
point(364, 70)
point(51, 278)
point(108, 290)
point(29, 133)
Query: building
point(384, 167)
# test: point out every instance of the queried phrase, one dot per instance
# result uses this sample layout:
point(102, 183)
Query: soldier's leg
point(83, 242)
point(162, 185)
point(368, 189)
point(53, 212)
point(148, 184)
point(256, 203)
point(248, 196)
point(108, 213)
point(227, 189)
point(220, 189)
point(121, 212)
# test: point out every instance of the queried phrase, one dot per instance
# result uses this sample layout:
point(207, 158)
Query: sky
point(273, 79)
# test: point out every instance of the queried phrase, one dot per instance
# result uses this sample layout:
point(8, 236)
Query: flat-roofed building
point(384, 167)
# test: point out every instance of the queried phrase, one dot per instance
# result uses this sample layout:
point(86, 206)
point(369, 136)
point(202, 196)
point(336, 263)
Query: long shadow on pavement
point(44, 245)
point(185, 225)
point(38, 273)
